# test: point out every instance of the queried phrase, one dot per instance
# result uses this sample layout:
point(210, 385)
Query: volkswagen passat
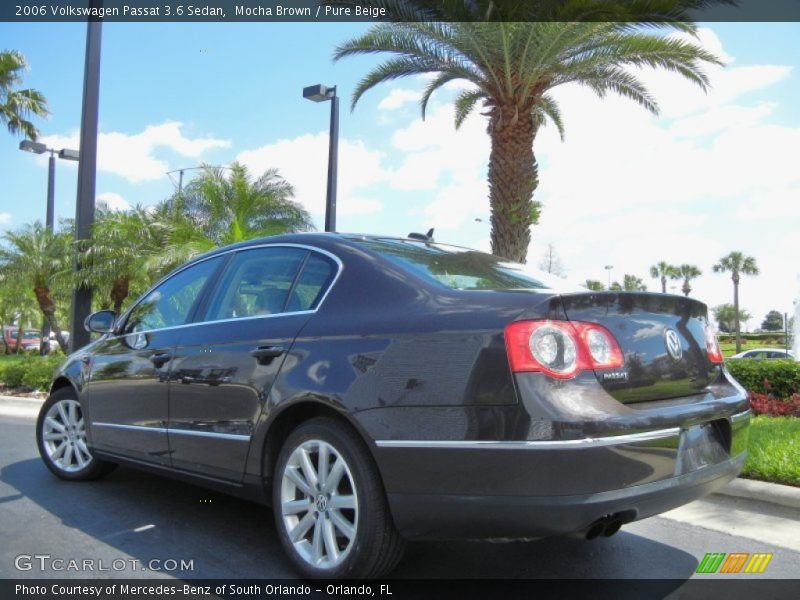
point(374, 390)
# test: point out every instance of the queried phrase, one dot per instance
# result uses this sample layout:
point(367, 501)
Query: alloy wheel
point(319, 504)
point(64, 436)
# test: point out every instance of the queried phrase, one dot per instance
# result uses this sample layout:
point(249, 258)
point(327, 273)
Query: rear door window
point(256, 283)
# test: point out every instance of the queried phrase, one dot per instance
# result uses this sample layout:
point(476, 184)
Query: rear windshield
point(459, 268)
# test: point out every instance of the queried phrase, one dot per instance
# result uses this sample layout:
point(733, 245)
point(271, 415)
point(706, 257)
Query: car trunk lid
point(662, 338)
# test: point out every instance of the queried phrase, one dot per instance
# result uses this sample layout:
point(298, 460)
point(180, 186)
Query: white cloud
point(5, 218)
point(133, 156)
point(112, 201)
point(398, 98)
point(303, 161)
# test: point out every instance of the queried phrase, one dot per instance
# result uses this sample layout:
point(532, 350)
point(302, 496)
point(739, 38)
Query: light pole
point(66, 154)
point(608, 270)
point(321, 93)
point(87, 171)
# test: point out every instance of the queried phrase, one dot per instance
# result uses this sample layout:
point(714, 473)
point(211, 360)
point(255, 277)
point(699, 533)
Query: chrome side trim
point(210, 434)
point(238, 437)
point(741, 416)
point(129, 427)
point(631, 438)
point(339, 264)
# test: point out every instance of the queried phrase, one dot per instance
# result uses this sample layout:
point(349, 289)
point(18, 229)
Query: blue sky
point(711, 174)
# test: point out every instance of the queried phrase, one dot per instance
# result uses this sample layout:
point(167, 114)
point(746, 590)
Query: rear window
point(459, 268)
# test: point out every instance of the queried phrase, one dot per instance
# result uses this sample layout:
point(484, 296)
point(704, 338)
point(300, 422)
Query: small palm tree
point(17, 106)
point(121, 253)
point(225, 206)
point(687, 273)
point(664, 271)
point(594, 285)
point(511, 69)
point(737, 264)
point(630, 283)
point(42, 259)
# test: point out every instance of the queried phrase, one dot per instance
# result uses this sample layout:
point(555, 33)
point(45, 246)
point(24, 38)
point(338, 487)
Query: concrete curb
point(761, 491)
point(22, 400)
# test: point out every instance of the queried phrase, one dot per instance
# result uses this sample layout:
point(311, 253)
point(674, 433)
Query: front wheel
point(330, 508)
point(61, 437)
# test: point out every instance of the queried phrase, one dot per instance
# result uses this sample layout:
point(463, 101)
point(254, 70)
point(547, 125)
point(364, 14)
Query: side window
point(312, 284)
point(256, 283)
point(171, 303)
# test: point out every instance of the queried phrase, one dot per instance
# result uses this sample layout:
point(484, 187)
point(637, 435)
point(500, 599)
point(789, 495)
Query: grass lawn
point(774, 450)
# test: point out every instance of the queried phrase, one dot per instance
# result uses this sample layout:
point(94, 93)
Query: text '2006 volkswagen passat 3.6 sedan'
point(374, 390)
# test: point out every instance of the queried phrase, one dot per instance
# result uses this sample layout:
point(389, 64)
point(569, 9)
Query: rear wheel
point(330, 508)
point(61, 437)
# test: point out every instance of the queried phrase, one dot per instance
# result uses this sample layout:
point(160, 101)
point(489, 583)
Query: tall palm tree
point(121, 253)
point(664, 271)
point(42, 259)
point(17, 106)
point(737, 264)
point(687, 273)
point(511, 69)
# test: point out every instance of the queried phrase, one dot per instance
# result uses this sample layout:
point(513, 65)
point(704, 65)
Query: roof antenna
point(425, 237)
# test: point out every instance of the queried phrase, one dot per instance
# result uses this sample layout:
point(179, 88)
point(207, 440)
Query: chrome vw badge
point(673, 343)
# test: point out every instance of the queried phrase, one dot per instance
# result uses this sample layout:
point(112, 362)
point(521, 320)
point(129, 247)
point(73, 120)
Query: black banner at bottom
point(439, 589)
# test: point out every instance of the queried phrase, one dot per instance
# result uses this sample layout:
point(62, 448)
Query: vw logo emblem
point(673, 343)
point(322, 503)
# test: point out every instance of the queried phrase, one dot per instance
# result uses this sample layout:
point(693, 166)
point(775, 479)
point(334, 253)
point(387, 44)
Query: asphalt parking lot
point(135, 518)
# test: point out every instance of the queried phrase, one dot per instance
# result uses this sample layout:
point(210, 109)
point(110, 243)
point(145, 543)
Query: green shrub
point(31, 372)
point(39, 373)
point(779, 378)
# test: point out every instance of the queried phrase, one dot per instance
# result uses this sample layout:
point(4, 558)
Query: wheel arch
point(61, 382)
point(287, 419)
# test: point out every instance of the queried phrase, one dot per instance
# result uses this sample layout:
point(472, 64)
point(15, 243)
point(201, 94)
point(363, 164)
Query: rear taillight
point(560, 349)
point(712, 347)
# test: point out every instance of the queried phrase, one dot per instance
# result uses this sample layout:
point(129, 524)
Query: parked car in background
point(31, 338)
point(763, 354)
point(374, 390)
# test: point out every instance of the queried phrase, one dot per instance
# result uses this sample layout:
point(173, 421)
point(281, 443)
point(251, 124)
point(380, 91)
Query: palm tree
point(664, 271)
point(737, 264)
point(225, 206)
point(16, 106)
point(594, 285)
point(122, 252)
point(511, 69)
point(687, 273)
point(42, 259)
point(630, 283)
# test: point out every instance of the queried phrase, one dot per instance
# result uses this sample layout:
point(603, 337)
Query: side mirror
point(100, 322)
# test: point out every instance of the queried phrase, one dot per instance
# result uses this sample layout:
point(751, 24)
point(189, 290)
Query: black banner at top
point(278, 11)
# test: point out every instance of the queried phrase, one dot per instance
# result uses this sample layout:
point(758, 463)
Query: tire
point(61, 437)
point(347, 530)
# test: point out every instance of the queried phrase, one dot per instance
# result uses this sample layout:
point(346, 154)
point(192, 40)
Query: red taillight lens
point(560, 349)
point(712, 347)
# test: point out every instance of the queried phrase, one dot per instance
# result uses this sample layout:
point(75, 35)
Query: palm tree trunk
point(736, 314)
point(119, 291)
point(663, 284)
point(513, 177)
point(45, 299)
point(19, 337)
point(687, 289)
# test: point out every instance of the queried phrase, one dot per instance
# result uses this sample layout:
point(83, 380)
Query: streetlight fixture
point(608, 269)
point(66, 154)
point(322, 93)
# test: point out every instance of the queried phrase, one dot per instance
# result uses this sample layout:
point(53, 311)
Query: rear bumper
point(438, 516)
point(528, 489)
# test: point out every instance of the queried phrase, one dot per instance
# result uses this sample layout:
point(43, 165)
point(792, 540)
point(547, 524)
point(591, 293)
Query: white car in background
point(764, 353)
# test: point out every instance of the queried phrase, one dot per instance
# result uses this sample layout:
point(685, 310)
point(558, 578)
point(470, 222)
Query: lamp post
point(608, 270)
point(66, 154)
point(321, 93)
point(87, 170)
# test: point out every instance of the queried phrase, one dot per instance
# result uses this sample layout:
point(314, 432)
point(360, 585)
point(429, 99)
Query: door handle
point(265, 354)
point(160, 358)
